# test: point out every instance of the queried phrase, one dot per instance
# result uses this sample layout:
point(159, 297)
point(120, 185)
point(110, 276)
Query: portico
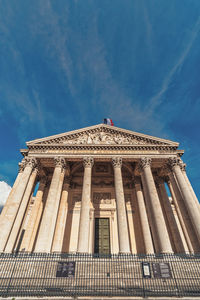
point(101, 189)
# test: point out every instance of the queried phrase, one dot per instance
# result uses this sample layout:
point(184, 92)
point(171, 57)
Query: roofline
point(105, 126)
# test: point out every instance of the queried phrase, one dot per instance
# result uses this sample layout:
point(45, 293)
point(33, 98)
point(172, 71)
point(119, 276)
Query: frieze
point(102, 198)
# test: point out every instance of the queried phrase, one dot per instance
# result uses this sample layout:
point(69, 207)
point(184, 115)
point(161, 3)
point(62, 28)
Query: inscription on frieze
point(102, 198)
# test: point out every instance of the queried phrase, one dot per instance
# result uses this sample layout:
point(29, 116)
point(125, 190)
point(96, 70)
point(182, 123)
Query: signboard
point(66, 269)
point(161, 270)
point(146, 270)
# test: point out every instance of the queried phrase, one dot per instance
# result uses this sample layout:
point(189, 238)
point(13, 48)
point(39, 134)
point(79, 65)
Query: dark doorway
point(102, 236)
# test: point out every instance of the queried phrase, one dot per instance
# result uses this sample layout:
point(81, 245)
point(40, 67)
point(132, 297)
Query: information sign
point(146, 270)
point(66, 269)
point(161, 270)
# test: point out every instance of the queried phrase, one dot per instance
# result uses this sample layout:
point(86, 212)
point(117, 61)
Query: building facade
point(103, 190)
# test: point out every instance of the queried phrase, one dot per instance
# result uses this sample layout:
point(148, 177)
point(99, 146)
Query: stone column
point(170, 217)
point(148, 243)
point(8, 219)
point(62, 217)
point(187, 195)
point(21, 212)
point(29, 235)
point(157, 214)
point(84, 223)
point(182, 213)
point(124, 244)
point(20, 172)
point(47, 227)
point(183, 166)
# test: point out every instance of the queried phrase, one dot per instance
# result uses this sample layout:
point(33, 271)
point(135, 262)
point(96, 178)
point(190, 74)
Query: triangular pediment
point(101, 135)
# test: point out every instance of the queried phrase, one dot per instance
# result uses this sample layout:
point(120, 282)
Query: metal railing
point(62, 274)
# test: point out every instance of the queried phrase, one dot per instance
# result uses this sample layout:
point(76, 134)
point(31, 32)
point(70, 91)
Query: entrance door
point(102, 236)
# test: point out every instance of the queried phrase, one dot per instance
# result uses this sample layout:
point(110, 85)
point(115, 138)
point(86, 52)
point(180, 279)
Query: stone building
point(101, 189)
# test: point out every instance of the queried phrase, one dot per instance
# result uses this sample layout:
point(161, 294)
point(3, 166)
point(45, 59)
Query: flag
point(108, 122)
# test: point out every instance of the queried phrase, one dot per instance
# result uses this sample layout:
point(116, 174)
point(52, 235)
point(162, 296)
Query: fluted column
point(187, 195)
point(148, 243)
point(124, 244)
point(21, 212)
point(17, 180)
point(84, 223)
point(8, 219)
point(62, 217)
point(29, 234)
point(157, 214)
point(183, 169)
point(170, 217)
point(182, 213)
point(47, 228)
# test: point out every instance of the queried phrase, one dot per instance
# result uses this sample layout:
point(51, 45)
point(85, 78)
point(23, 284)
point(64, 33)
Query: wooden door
point(102, 236)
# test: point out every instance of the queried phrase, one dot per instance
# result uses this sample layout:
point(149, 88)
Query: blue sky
point(67, 64)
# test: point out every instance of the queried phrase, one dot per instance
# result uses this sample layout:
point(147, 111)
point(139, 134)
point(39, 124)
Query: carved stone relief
point(103, 138)
point(102, 198)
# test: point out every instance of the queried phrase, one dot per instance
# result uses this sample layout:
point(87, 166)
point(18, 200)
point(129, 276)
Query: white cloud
point(4, 192)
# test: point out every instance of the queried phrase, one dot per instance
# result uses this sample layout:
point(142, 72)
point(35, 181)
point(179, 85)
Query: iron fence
point(62, 274)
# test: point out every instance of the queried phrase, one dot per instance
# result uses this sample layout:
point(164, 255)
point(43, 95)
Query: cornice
point(44, 147)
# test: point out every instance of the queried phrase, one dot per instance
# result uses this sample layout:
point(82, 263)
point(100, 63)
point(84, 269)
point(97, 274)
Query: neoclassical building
point(101, 189)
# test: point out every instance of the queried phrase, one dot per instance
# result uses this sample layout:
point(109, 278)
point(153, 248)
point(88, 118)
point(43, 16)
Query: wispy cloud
point(157, 98)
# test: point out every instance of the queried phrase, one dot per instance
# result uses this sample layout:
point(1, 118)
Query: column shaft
point(47, 227)
point(84, 223)
point(61, 220)
point(182, 213)
point(124, 245)
point(171, 219)
point(8, 219)
point(21, 212)
point(32, 220)
point(159, 222)
point(187, 196)
point(144, 220)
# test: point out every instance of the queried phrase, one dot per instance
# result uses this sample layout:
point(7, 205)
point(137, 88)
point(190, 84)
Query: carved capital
point(88, 162)
point(174, 161)
point(145, 162)
point(182, 166)
point(117, 162)
point(30, 162)
point(21, 167)
point(59, 162)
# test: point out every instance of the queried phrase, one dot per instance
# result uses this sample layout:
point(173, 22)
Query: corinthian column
point(84, 223)
point(183, 166)
point(62, 217)
point(21, 212)
point(29, 235)
point(186, 194)
point(8, 219)
point(144, 219)
point(47, 228)
point(20, 172)
point(124, 245)
point(170, 217)
point(157, 214)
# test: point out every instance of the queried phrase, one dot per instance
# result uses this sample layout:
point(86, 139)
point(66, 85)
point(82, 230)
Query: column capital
point(182, 166)
point(88, 162)
point(117, 162)
point(174, 161)
point(30, 162)
point(21, 167)
point(59, 162)
point(144, 162)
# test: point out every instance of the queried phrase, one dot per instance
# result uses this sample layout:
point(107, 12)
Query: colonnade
point(163, 230)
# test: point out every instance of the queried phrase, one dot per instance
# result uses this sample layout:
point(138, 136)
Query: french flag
point(108, 122)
